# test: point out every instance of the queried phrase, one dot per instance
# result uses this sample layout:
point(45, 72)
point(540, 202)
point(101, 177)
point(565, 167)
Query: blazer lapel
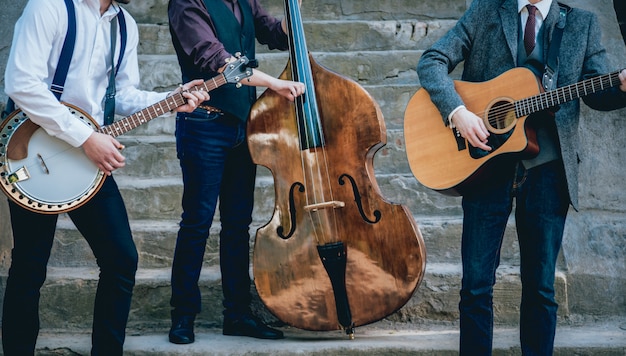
point(510, 25)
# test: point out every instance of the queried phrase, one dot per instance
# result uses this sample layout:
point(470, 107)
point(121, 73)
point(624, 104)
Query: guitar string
point(533, 104)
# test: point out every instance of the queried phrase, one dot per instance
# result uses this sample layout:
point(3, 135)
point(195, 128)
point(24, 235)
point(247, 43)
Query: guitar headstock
point(239, 69)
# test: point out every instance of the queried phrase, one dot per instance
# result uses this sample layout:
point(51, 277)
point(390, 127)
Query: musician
point(214, 156)
point(34, 57)
point(489, 39)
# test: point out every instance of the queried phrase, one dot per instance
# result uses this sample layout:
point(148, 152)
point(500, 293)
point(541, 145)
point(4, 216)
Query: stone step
point(155, 11)
point(158, 198)
point(591, 339)
point(67, 298)
point(368, 68)
point(149, 156)
point(330, 36)
point(156, 240)
point(392, 100)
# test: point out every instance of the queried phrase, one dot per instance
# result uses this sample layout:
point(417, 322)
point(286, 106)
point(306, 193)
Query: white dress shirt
point(542, 6)
point(37, 42)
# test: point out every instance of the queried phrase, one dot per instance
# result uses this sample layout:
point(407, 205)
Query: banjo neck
point(153, 111)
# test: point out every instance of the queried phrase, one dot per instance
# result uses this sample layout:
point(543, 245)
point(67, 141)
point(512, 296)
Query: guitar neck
point(567, 93)
point(153, 111)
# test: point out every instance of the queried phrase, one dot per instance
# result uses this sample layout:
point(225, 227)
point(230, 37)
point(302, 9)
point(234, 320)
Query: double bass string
point(307, 114)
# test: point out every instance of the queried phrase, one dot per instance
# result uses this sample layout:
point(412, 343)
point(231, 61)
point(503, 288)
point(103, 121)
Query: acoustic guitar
point(445, 162)
point(47, 175)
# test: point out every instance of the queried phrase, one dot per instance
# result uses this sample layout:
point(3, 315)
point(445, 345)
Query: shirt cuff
point(450, 123)
point(76, 134)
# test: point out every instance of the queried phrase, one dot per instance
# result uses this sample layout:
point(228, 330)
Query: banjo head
point(42, 173)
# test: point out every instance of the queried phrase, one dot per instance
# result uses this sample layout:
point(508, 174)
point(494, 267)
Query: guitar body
point(42, 173)
point(448, 164)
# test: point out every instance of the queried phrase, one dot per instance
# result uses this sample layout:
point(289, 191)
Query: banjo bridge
point(18, 176)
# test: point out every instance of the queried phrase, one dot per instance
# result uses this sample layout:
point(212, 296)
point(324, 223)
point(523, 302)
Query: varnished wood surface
point(385, 260)
point(431, 148)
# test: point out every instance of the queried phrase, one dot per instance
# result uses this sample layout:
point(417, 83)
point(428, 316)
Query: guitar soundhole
point(500, 122)
point(501, 117)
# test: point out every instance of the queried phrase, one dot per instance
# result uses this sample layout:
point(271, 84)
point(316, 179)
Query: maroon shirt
point(196, 36)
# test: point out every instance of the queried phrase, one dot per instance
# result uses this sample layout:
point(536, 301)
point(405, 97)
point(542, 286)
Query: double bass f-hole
point(300, 187)
point(292, 211)
point(357, 200)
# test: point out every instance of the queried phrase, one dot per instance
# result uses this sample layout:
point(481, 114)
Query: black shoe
point(182, 329)
point(250, 325)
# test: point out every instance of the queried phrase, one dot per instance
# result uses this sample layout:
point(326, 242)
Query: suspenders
point(58, 82)
point(63, 67)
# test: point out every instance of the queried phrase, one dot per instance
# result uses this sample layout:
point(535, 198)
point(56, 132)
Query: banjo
point(47, 175)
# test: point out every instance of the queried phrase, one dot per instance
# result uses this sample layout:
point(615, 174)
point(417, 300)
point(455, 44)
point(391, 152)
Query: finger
point(191, 84)
point(482, 145)
point(196, 97)
point(201, 95)
point(105, 168)
point(481, 134)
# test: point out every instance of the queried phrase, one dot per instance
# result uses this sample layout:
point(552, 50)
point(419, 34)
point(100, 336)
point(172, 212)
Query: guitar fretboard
point(153, 111)
point(564, 94)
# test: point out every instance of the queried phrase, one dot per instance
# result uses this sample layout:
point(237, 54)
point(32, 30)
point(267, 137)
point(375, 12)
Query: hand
point(287, 88)
point(472, 128)
point(622, 78)
point(193, 98)
point(104, 151)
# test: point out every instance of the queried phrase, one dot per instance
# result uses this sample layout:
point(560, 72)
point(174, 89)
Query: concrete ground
point(383, 338)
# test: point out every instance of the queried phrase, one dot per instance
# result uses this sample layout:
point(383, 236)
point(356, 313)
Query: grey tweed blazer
point(486, 40)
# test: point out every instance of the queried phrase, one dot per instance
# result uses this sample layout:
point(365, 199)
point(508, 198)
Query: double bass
point(335, 255)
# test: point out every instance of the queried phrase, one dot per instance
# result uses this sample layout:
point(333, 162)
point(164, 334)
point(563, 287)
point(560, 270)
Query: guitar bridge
point(18, 176)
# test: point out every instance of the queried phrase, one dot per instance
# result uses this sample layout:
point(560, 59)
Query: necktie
point(529, 31)
point(235, 7)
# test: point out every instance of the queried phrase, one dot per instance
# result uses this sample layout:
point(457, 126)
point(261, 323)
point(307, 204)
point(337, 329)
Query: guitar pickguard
point(494, 141)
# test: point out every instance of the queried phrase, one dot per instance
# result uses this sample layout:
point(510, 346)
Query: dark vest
point(543, 122)
point(235, 37)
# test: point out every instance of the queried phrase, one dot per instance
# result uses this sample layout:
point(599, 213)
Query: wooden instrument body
point(385, 255)
point(432, 150)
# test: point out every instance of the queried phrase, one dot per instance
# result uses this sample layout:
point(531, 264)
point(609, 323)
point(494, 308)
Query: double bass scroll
point(335, 254)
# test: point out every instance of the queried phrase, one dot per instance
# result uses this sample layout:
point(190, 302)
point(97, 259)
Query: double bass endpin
point(350, 332)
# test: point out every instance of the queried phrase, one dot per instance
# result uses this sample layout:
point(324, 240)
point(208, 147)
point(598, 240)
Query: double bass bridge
point(324, 205)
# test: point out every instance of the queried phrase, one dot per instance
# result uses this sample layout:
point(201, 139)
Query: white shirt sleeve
point(33, 60)
point(27, 75)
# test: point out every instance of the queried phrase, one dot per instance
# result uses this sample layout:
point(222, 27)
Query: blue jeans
point(104, 224)
point(215, 163)
point(541, 207)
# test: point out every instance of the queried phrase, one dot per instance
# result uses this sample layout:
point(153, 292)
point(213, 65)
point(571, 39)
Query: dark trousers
point(104, 224)
point(542, 202)
point(215, 163)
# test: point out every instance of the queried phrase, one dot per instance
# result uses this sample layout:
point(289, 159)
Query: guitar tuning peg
point(238, 54)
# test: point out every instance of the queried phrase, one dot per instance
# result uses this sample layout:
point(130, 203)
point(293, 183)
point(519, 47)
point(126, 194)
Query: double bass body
point(335, 254)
